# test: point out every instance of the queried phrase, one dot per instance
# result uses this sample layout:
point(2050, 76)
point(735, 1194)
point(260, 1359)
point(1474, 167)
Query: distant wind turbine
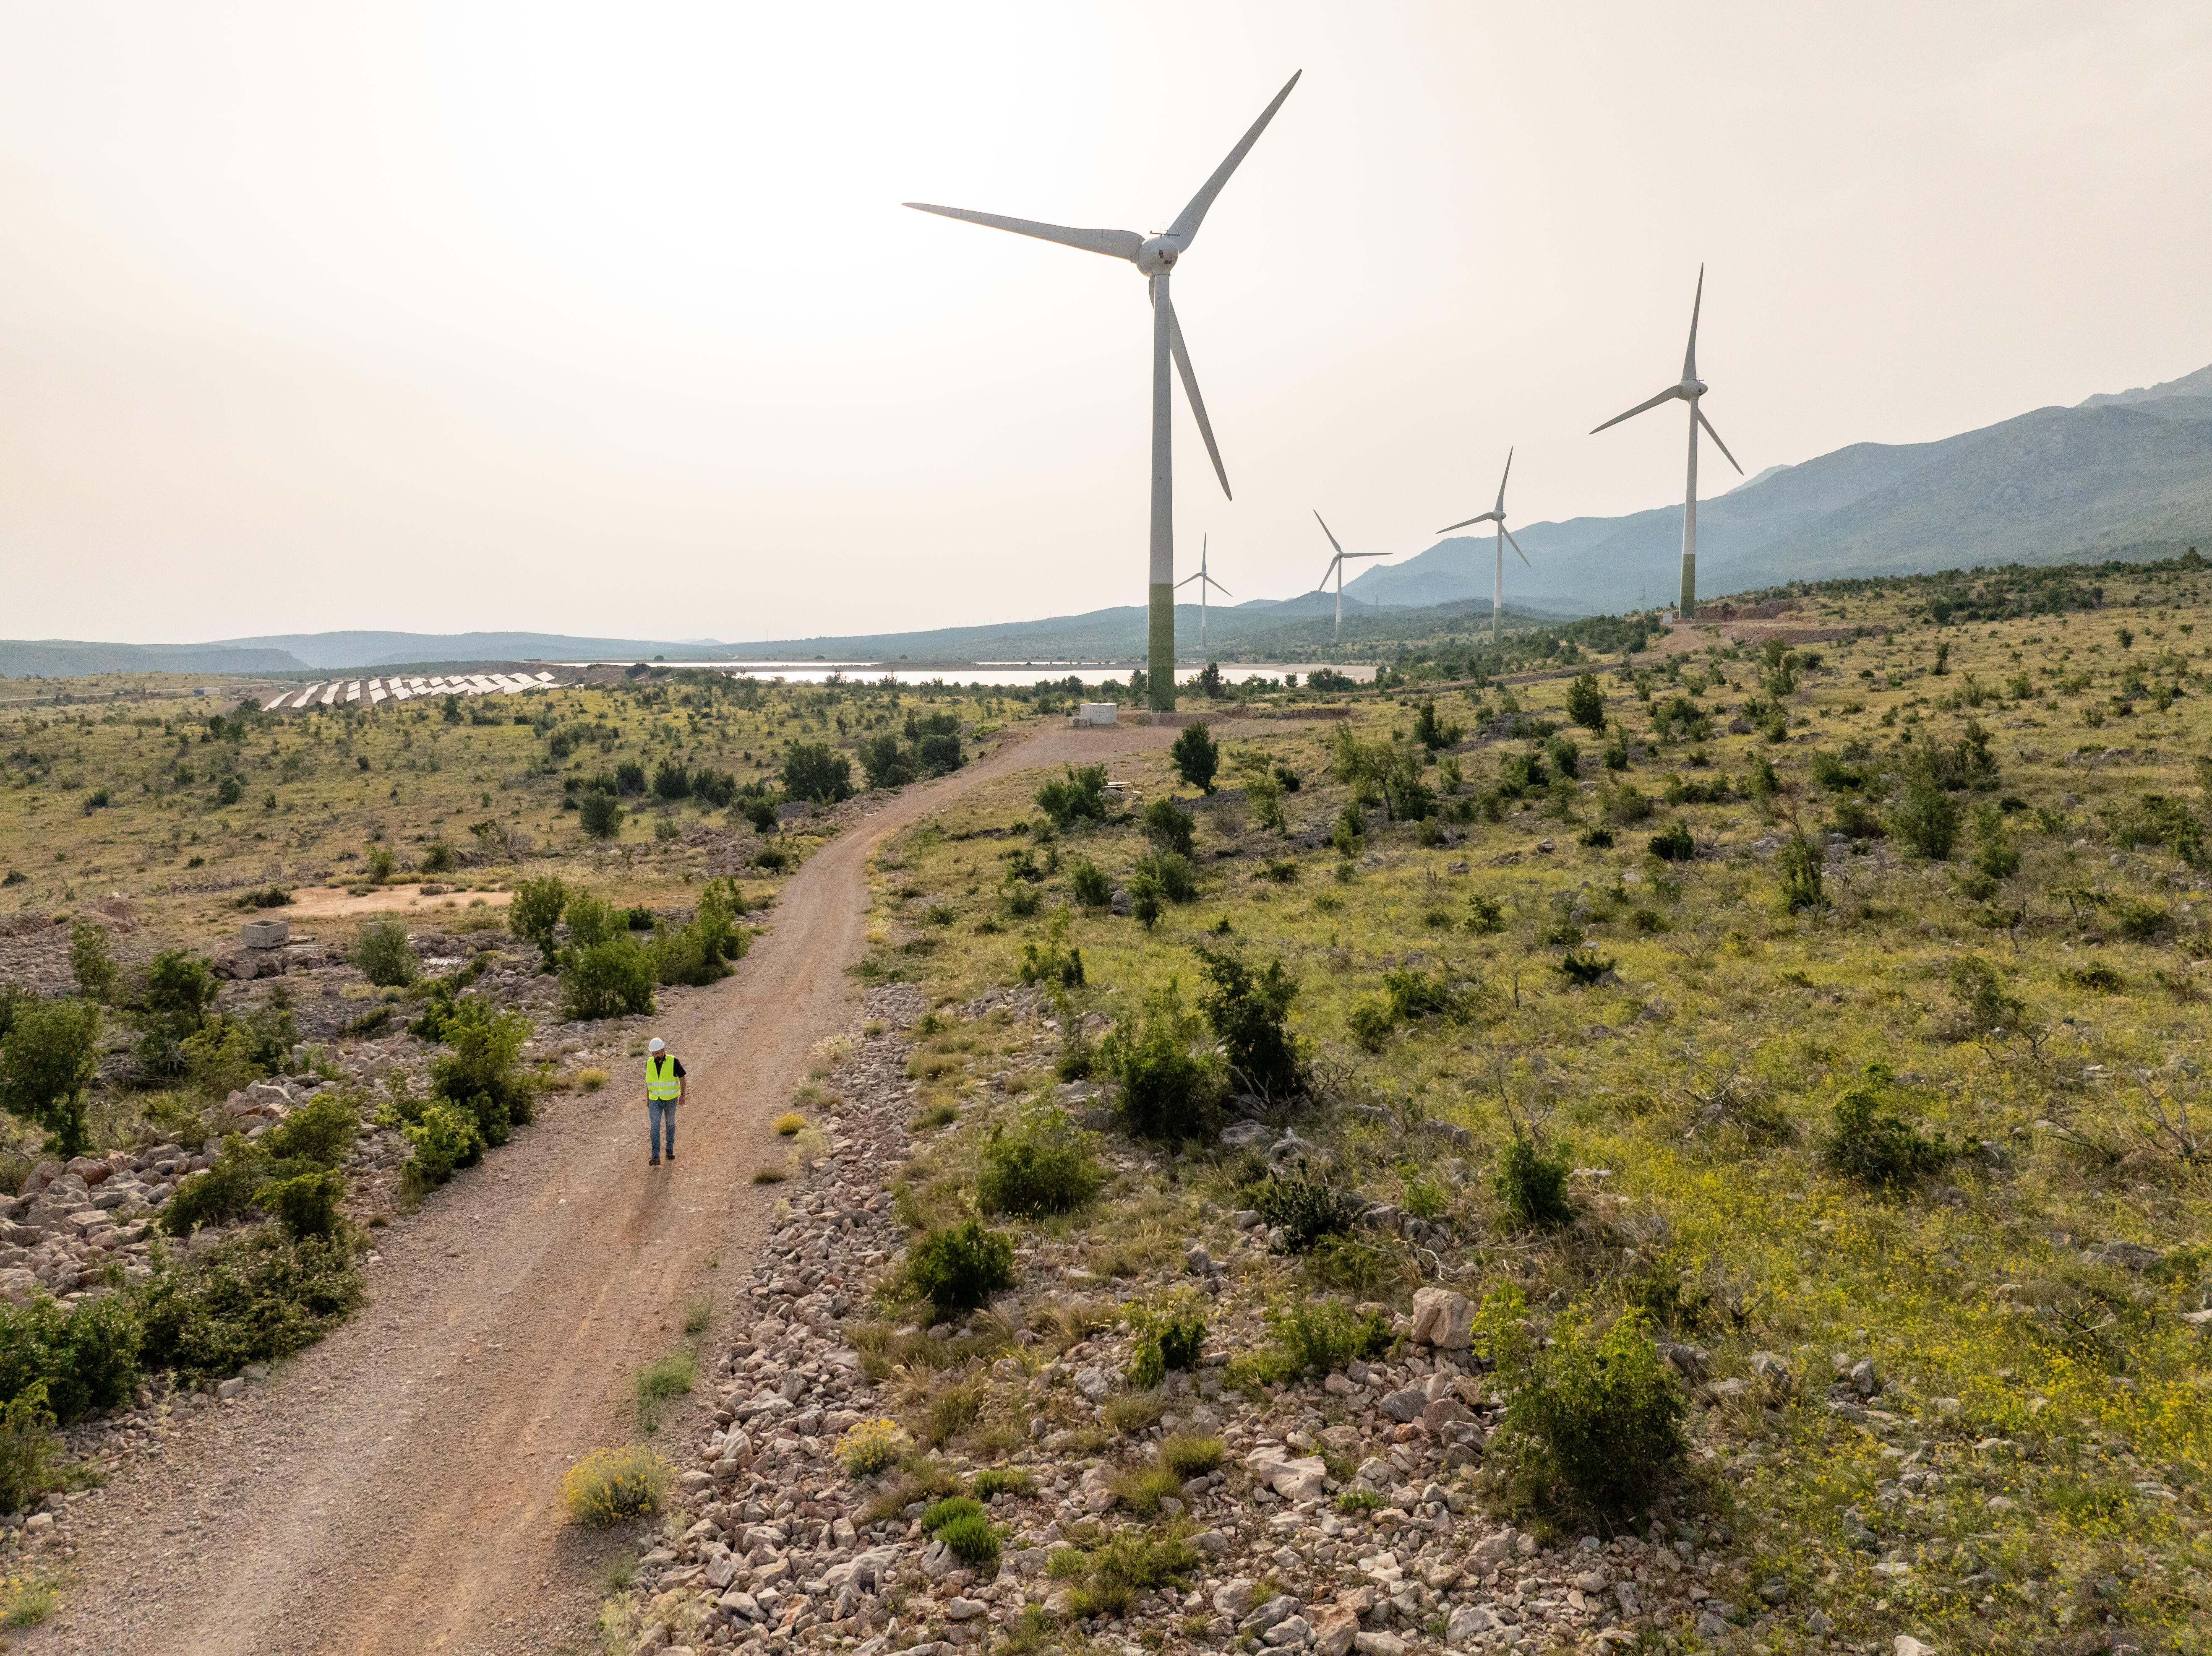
point(1205, 581)
point(1497, 515)
point(1336, 564)
point(1689, 391)
point(1155, 256)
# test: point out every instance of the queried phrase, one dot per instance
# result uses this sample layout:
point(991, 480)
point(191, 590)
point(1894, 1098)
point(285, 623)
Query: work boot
point(671, 1152)
point(654, 1162)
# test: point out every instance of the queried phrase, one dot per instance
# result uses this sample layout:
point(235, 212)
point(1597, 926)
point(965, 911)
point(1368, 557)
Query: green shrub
point(1595, 1419)
point(1926, 819)
point(306, 1205)
point(1169, 827)
point(253, 1298)
point(661, 1381)
point(321, 1130)
point(1318, 1336)
point(1197, 757)
point(221, 1194)
point(1869, 1143)
point(1304, 1208)
point(1367, 1270)
point(612, 978)
point(1532, 1182)
point(813, 770)
point(47, 1059)
point(1087, 884)
point(442, 1139)
point(949, 1510)
point(1485, 913)
point(30, 1453)
point(1586, 969)
point(1370, 1021)
point(960, 1268)
point(1080, 797)
point(704, 950)
point(90, 963)
point(479, 1070)
point(1112, 1576)
point(1054, 960)
point(599, 815)
point(1250, 1011)
point(971, 1538)
point(1415, 995)
point(1044, 1164)
point(82, 1359)
point(1171, 1081)
point(1674, 844)
point(1800, 867)
point(535, 915)
point(1188, 1456)
point(1170, 873)
point(1586, 702)
point(1002, 1480)
point(384, 954)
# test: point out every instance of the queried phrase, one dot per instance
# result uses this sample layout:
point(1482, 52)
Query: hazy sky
point(607, 318)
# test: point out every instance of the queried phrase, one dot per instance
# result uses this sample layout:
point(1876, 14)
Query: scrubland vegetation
point(1793, 1043)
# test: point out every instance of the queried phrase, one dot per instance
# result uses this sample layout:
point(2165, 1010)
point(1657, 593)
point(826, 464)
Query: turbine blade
point(1115, 244)
point(1666, 395)
point(1515, 544)
point(1184, 230)
point(1335, 563)
point(1190, 387)
point(1716, 436)
point(1325, 530)
point(1217, 587)
point(1185, 581)
point(1690, 356)
point(1487, 517)
point(1501, 482)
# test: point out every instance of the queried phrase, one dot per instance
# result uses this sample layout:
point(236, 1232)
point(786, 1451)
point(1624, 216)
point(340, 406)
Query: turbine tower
point(1204, 582)
point(1689, 391)
point(1497, 515)
point(1155, 256)
point(1336, 564)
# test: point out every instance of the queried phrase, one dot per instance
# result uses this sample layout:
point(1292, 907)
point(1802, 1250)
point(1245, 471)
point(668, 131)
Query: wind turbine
point(1336, 564)
point(1689, 391)
point(1497, 515)
point(1204, 581)
point(1155, 256)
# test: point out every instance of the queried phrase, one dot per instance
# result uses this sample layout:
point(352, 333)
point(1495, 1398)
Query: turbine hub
point(1157, 254)
point(1694, 388)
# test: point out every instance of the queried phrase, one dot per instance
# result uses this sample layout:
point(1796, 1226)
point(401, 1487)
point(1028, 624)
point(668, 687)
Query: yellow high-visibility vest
point(660, 1080)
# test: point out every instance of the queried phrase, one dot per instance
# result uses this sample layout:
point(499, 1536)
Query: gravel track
point(392, 1489)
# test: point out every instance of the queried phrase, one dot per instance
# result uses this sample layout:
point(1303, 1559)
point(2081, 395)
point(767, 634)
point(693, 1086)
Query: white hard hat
point(654, 1045)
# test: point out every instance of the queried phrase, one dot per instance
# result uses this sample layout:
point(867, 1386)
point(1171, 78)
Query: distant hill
point(72, 658)
point(2127, 475)
point(338, 652)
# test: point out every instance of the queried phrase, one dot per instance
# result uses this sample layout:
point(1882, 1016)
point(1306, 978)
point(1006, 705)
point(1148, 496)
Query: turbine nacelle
point(1691, 389)
point(1158, 253)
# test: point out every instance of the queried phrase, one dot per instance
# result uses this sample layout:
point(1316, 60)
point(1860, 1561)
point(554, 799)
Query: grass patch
point(661, 1381)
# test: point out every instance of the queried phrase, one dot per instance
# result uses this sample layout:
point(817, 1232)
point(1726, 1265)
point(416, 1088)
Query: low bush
point(1169, 827)
point(1053, 960)
point(535, 915)
point(1197, 755)
point(1368, 1270)
point(1142, 1489)
point(1316, 1336)
point(1594, 1420)
point(970, 1538)
point(1170, 873)
point(1001, 1480)
point(1081, 796)
point(599, 815)
point(1044, 1164)
point(384, 954)
point(611, 1486)
point(321, 1130)
point(1171, 1080)
point(871, 1446)
point(221, 1194)
point(1370, 1023)
point(1927, 819)
point(1799, 866)
point(253, 1298)
point(952, 1410)
point(441, 1139)
point(30, 1452)
point(612, 978)
point(1871, 1143)
point(480, 1069)
point(1485, 913)
point(1109, 1578)
point(307, 1204)
point(1585, 968)
point(1304, 1208)
point(1674, 844)
point(79, 1359)
point(1250, 1011)
point(47, 1061)
point(961, 1267)
point(1532, 1182)
point(1087, 884)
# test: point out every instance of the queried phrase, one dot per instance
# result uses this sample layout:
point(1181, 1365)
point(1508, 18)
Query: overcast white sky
point(606, 319)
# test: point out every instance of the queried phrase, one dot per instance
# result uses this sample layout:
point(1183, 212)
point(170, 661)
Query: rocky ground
point(1340, 1515)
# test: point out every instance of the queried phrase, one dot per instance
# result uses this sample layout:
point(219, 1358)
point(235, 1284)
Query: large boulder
point(1443, 1318)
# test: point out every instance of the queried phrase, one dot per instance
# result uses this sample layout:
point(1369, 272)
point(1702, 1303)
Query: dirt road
point(394, 1489)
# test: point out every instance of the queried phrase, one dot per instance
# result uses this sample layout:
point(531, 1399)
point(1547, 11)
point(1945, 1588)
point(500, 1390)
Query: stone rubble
point(1339, 1521)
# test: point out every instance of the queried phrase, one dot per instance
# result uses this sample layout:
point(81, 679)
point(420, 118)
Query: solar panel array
point(372, 693)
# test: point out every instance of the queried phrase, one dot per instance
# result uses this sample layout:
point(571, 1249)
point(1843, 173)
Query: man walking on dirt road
point(664, 1092)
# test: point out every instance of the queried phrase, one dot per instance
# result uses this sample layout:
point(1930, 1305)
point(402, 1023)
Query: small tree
point(479, 1073)
point(1586, 702)
point(812, 771)
point(885, 763)
point(91, 964)
point(599, 815)
point(535, 914)
point(1927, 819)
point(1249, 1010)
point(1197, 756)
point(179, 988)
point(47, 1061)
point(384, 954)
point(1800, 875)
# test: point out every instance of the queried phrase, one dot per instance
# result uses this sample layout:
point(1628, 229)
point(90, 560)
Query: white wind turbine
point(1689, 391)
point(1205, 581)
point(1336, 565)
point(1155, 256)
point(1497, 515)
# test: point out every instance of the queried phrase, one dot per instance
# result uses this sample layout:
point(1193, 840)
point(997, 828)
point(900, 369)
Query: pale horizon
point(479, 318)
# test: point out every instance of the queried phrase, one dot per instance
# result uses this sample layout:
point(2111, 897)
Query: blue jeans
point(658, 1111)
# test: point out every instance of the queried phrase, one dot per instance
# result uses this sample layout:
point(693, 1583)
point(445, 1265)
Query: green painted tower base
point(1159, 663)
